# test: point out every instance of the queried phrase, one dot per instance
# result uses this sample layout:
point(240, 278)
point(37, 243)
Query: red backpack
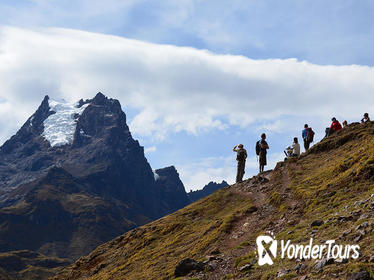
point(310, 134)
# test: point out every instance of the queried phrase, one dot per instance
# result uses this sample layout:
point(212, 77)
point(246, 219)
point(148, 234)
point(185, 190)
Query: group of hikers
point(291, 151)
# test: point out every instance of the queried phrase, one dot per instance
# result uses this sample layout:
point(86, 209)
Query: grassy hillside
point(332, 184)
point(26, 265)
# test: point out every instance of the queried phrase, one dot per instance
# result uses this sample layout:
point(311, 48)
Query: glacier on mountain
point(59, 128)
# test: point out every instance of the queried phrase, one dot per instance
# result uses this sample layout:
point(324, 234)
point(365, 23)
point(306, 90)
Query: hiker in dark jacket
point(365, 119)
point(263, 151)
point(241, 156)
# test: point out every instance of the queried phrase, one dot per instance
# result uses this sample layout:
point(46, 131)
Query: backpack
point(258, 147)
point(310, 135)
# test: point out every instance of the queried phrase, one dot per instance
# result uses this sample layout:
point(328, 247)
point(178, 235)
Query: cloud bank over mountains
point(172, 89)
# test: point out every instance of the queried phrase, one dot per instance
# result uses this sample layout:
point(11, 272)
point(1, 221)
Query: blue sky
point(307, 30)
point(194, 77)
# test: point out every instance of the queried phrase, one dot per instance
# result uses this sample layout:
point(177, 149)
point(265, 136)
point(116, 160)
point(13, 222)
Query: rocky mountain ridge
point(73, 177)
point(208, 189)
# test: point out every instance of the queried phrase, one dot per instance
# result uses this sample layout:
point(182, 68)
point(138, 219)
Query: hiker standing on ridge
point(261, 150)
point(241, 156)
point(308, 136)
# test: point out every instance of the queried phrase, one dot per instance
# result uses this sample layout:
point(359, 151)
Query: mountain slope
point(326, 194)
point(27, 265)
point(73, 177)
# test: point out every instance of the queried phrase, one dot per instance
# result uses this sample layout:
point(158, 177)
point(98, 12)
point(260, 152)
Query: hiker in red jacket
point(335, 126)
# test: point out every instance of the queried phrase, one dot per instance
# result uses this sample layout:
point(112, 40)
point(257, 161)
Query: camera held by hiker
point(241, 156)
point(365, 119)
point(308, 136)
point(294, 150)
point(261, 151)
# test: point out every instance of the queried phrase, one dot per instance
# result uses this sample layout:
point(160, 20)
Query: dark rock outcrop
point(207, 190)
point(186, 266)
point(361, 275)
point(316, 223)
point(171, 187)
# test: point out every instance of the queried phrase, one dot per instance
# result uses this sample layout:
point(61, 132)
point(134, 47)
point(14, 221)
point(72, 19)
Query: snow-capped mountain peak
point(59, 128)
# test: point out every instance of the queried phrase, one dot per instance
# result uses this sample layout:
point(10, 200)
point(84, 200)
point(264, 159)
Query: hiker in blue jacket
point(308, 135)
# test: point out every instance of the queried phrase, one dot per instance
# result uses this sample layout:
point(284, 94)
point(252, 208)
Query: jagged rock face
point(207, 190)
point(73, 177)
point(172, 188)
point(102, 144)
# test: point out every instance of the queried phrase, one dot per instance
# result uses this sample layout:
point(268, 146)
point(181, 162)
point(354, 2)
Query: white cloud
point(175, 88)
point(149, 150)
point(276, 126)
point(195, 175)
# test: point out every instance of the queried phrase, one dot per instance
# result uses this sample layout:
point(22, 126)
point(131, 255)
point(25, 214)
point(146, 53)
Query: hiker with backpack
point(241, 156)
point(308, 136)
point(261, 151)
